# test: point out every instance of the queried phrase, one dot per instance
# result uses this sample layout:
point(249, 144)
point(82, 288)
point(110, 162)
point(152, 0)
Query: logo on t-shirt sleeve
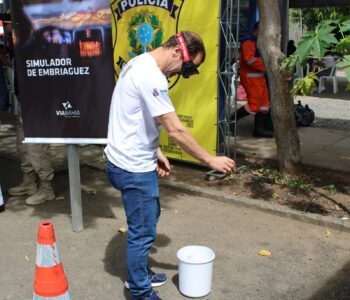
point(155, 93)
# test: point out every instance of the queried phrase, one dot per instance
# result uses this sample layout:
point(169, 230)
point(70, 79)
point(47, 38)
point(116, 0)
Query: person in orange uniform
point(254, 82)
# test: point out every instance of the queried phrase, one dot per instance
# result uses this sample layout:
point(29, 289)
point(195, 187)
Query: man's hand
point(177, 131)
point(222, 164)
point(163, 165)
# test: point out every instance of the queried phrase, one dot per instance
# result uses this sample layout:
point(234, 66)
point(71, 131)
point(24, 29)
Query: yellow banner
point(195, 99)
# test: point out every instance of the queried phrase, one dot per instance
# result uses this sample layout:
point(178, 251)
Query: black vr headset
point(189, 68)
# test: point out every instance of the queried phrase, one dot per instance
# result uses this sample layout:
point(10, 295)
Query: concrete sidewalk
point(320, 147)
point(307, 261)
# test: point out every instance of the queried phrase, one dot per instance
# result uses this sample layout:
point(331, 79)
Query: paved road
point(329, 113)
point(305, 264)
point(331, 110)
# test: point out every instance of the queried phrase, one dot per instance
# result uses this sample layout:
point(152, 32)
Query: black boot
point(240, 113)
point(259, 130)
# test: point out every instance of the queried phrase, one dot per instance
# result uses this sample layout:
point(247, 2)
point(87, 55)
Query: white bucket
point(195, 270)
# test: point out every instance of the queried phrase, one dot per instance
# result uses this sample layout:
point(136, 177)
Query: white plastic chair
point(299, 73)
point(332, 75)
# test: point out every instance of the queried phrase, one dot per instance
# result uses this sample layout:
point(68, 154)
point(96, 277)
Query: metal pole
point(284, 20)
point(74, 188)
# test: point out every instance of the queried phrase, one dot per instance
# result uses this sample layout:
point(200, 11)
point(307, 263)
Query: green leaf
point(316, 42)
point(328, 22)
point(305, 85)
point(289, 63)
point(325, 28)
point(345, 26)
point(305, 47)
point(325, 34)
point(343, 47)
point(332, 189)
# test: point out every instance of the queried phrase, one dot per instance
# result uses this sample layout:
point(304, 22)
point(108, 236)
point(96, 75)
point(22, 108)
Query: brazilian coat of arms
point(145, 33)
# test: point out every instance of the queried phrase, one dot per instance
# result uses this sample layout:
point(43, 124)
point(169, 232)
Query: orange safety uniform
point(253, 77)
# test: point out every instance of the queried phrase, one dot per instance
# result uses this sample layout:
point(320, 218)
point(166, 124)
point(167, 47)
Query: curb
point(272, 208)
point(275, 209)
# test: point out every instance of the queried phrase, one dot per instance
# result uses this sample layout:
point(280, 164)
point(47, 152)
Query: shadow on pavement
point(175, 281)
point(328, 92)
point(332, 123)
point(115, 259)
point(338, 287)
point(98, 197)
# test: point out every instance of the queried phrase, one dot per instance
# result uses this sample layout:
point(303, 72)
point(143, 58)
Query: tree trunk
point(281, 102)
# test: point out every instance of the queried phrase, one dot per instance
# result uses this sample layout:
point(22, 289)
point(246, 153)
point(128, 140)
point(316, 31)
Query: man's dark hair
point(256, 26)
point(193, 42)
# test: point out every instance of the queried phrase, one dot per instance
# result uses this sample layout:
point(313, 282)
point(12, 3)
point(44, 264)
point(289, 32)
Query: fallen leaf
point(211, 178)
point(60, 198)
point(26, 258)
point(122, 229)
point(257, 173)
point(264, 252)
point(275, 195)
point(327, 233)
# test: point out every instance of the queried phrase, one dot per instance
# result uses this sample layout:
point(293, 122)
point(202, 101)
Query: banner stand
point(64, 62)
point(75, 187)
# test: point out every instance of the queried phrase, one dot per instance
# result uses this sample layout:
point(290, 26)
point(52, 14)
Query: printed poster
point(64, 64)
point(142, 25)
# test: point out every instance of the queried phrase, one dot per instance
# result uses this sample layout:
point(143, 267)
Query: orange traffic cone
point(50, 282)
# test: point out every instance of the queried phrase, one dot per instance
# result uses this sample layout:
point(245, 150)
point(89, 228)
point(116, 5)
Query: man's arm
point(186, 141)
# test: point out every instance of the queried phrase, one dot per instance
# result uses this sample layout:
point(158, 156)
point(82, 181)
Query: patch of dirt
point(315, 190)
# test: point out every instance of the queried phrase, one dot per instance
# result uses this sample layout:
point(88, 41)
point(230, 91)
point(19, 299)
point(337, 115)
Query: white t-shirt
point(141, 95)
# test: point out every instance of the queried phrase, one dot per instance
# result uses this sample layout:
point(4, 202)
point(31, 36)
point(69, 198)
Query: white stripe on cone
point(65, 296)
point(47, 255)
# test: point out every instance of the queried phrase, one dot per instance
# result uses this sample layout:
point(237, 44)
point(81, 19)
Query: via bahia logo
point(67, 105)
point(68, 111)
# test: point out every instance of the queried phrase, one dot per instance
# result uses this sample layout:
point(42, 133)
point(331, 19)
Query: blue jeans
point(140, 196)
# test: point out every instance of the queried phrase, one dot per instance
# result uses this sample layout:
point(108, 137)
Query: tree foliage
point(311, 17)
point(314, 44)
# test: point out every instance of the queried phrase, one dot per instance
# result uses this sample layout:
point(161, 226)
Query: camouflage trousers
point(34, 157)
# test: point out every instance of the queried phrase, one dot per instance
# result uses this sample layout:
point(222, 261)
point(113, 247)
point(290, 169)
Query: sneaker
point(157, 279)
point(152, 296)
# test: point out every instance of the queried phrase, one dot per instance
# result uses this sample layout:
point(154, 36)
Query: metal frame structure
point(228, 79)
point(228, 72)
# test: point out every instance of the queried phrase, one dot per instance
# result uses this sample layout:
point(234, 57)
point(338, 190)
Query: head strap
point(183, 46)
